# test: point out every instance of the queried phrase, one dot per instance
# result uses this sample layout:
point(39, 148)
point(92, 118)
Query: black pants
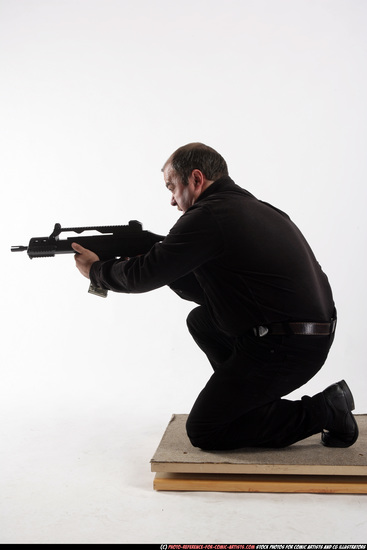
point(242, 405)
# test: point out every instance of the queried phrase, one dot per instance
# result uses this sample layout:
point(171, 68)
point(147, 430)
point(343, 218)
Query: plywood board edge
point(284, 469)
point(260, 483)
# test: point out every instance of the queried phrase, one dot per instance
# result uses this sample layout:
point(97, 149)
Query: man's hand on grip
point(84, 259)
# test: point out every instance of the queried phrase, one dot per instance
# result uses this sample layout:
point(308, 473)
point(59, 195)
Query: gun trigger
point(102, 292)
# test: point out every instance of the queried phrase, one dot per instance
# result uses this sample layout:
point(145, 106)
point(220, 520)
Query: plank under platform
point(305, 467)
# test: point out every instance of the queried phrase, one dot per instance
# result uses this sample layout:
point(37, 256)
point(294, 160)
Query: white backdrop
point(95, 95)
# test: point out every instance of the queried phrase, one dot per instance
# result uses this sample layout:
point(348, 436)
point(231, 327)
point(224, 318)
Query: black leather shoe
point(341, 429)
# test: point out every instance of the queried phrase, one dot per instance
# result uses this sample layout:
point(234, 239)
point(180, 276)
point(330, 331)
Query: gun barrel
point(19, 248)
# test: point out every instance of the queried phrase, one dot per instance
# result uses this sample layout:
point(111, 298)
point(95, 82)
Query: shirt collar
point(222, 184)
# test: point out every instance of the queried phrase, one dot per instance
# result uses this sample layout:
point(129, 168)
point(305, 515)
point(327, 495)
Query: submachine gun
point(114, 241)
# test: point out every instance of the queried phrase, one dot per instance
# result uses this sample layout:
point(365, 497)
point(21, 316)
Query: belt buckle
point(261, 331)
point(333, 325)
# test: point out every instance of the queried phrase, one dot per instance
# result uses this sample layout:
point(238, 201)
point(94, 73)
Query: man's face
point(183, 196)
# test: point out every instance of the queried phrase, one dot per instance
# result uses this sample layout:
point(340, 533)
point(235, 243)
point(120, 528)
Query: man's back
point(262, 269)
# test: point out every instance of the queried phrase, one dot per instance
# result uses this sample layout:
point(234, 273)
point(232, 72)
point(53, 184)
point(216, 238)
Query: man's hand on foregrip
point(84, 259)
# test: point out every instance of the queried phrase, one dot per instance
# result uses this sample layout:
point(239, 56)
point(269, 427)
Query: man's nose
point(173, 202)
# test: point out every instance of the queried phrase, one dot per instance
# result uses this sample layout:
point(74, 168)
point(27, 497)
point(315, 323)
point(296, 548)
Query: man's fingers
point(84, 258)
point(77, 247)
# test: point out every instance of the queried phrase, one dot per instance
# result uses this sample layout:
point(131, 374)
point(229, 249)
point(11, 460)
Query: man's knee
point(201, 437)
point(192, 320)
point(198, 440)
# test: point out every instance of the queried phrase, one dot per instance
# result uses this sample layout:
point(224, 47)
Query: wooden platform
point(306, 467)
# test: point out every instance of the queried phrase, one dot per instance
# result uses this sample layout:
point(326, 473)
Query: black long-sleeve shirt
point(242, 258)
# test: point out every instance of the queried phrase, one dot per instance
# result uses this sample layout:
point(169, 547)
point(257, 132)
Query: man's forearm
point(102, 275)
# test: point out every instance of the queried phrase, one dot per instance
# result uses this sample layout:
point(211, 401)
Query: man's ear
point(198, 177)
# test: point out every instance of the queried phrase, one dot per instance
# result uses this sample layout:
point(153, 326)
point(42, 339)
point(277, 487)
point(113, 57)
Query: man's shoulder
point(228, 190)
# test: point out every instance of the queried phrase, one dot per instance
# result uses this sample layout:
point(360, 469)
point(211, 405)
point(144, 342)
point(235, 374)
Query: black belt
point(297, 328)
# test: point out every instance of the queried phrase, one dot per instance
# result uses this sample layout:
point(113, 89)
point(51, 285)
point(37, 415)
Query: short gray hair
point(200, 157)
